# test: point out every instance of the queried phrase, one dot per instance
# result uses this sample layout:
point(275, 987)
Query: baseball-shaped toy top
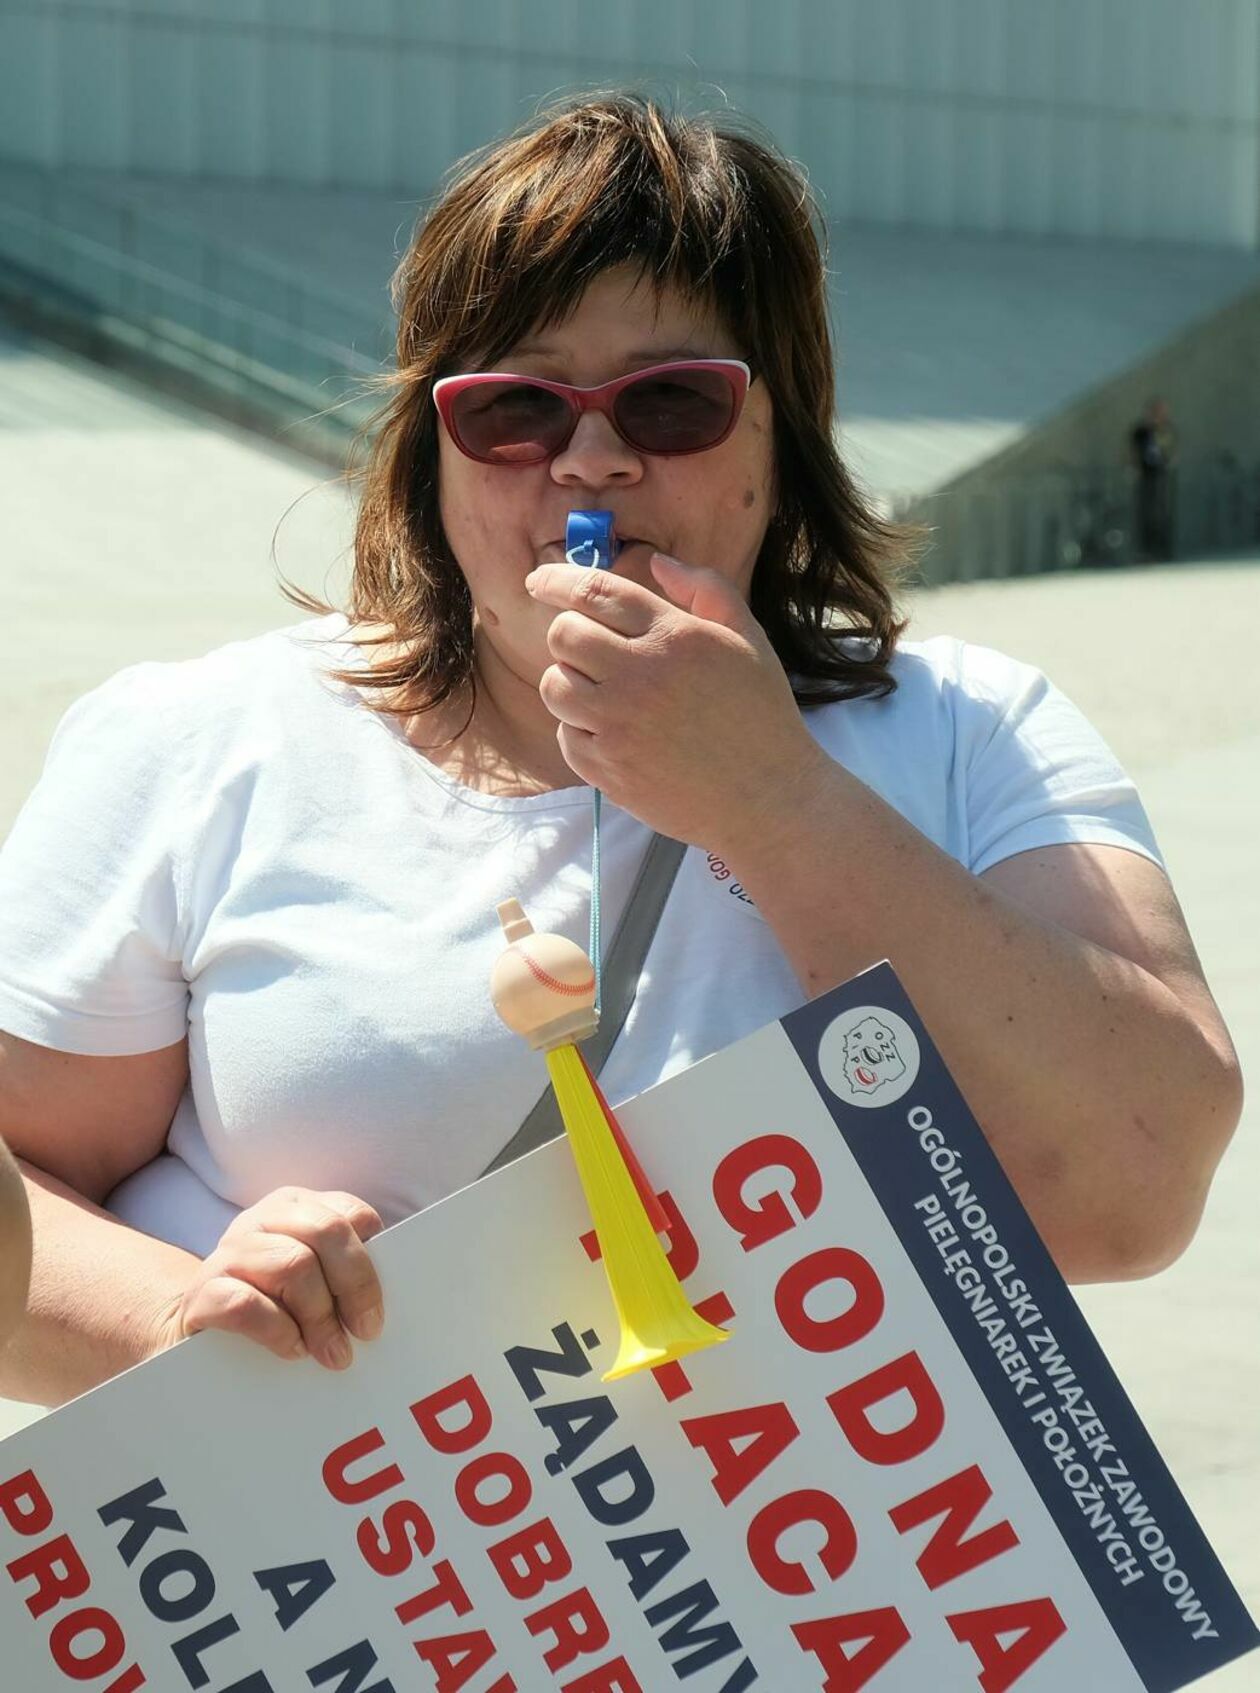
point(543, 986)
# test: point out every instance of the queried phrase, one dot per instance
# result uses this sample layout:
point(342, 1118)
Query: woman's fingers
point(578, 749)
point(291, 1274)
point(302, 1254)
point(587, 648)
point(363, 1219)
point(334, 1226)
point(569, 696)
point(287, 1205)
point(224, 1302)
point(599, 595)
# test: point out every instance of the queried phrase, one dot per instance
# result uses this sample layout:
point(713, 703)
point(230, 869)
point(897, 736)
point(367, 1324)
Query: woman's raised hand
point(673, 703)
point(292, 1274)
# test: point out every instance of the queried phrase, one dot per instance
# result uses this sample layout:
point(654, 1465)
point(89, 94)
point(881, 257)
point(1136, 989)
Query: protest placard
point(910, 1468)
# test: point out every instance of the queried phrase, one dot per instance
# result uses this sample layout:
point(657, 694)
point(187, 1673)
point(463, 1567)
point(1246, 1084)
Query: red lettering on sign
point(884, 1635)
point(25, 1505)
point(829, 1334)
point(767, 1218)
point(681, 1246)
point(810, 1505)
point(852, 1405)
point(741, 1444)
point(129, 1682)
point(615, 1676)
point(465, 1396)
point(405, 1532)
point(495, 1512)
point(60, 1576)
point(959, 1499)
point(455, 1658)
point(577, 1623)
point(67, 1654)
point(451, 1420)
point(59, 1572)
point(764, 1189)
point(530, 1559)
point(1036, 1623)
point(337, 1465)
point(447, 1589)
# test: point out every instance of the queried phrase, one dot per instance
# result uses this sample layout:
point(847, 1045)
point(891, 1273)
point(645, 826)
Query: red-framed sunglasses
point(686, 406)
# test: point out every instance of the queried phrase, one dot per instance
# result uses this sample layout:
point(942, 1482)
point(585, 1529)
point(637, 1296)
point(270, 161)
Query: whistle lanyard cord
point(594, 948)
point(590, 540)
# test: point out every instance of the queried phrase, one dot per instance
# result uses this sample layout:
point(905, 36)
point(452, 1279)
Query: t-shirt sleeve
point(90, 942)
point(1037, 773)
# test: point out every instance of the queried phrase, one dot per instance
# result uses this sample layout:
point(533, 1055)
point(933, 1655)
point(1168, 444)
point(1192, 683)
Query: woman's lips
point(553, 551)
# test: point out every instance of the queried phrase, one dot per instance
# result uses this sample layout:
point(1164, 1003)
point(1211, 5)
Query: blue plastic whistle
point(591, 539)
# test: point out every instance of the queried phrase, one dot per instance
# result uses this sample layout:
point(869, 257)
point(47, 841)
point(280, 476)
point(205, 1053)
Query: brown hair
point(519, 232)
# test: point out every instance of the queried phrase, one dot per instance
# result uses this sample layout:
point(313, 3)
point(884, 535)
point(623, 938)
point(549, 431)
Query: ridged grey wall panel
point(1080, 117)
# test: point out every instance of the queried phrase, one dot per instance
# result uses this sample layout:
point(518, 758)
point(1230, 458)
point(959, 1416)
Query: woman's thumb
point(701, 592)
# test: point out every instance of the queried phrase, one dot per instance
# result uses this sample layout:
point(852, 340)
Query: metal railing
point(181, 247)
point(1069, 517)
point(291, 352)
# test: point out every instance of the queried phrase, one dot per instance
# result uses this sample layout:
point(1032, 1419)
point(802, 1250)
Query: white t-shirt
point(239, 849)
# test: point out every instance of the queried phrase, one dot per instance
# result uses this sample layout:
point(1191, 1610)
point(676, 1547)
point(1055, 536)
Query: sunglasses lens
point(510, 422)
point(680, 411)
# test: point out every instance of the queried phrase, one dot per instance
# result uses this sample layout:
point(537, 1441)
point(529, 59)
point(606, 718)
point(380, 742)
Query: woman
point(248, 913)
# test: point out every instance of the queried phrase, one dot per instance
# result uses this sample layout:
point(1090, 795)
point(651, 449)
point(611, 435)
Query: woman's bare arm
point(99, 1290)
point(103, 1297)
point(1063, 990)
point(1061, 985)
point(290, 1273)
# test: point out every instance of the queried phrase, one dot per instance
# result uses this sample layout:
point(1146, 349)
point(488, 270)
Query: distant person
point(1154, 449)
point(15, 1245)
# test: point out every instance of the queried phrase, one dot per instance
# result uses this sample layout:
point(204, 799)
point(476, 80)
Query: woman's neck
point(505, 745)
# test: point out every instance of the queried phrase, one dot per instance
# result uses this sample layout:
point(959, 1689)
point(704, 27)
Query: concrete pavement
point(135, 530)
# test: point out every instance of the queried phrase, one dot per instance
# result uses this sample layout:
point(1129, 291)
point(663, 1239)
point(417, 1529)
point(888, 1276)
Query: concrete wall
point(1133, 118)
point(998, 518)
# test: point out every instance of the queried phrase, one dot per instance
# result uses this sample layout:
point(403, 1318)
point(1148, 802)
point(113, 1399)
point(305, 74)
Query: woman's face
point(709, 508)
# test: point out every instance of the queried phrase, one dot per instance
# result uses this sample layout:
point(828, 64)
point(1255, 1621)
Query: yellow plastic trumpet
point(543, 987)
